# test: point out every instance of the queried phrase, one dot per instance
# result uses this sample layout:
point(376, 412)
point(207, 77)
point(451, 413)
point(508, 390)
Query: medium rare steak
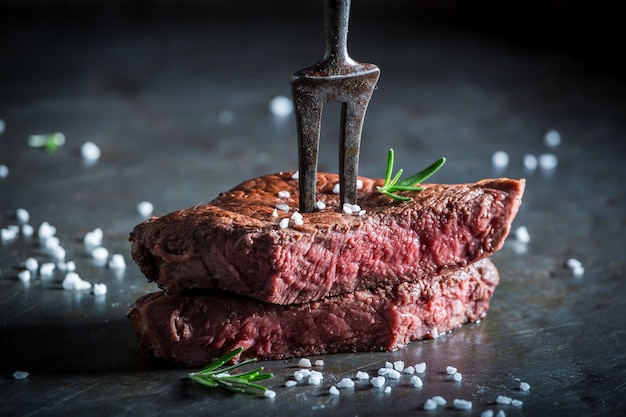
point(236, 243)
point(192, 330)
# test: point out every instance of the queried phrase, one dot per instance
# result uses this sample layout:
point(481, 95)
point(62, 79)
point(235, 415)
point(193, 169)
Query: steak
point(192, 330)
point(235, 243)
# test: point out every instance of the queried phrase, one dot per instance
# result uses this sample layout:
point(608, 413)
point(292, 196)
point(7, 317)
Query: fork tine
point(335, 78)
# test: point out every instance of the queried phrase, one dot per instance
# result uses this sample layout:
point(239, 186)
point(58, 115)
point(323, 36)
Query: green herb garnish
point(50, 141)
point(213, 375)
point(393, 185)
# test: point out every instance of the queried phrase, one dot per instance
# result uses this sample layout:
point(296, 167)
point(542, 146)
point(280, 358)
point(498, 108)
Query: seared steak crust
point(235, 242)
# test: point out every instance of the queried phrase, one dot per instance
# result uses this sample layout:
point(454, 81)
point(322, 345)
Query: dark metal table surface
point(179, 108)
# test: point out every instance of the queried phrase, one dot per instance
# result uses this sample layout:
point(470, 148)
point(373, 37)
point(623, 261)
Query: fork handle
point(336, 18)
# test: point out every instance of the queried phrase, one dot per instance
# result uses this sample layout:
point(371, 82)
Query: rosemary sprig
point(215, 375)
point(393, 185)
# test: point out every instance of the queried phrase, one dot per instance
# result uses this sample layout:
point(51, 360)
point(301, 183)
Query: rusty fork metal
point(336, 78)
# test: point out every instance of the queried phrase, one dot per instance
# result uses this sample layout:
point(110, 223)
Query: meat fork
point(336, 78)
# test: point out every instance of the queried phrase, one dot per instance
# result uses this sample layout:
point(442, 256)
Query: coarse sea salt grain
point(430, 404)
point(378, 381)
point(47, 269)
point(4, 171)
point(362, 375)
point(319, 362)
point(100, 253)
point(333, 390)
point(398, 366)
point(516, 403)
point(73, 282)
point(20, 374)
point(117, 261)
point(27, 230)
point(281, 106)
point(7, 234)
point(296, 175)
point(416, 381)
point(359, 184)
point(388, 364)
point(23, 216)
point(31, 264)
point(269, 394)
point(275, 213)
point(46, 230)
point(145, 208)
point(320, 205)
point(304, 363)
point(336, 189)
point(524, 386)
point(458, 376)
point(530, 162)
point(93, 238)
point(345, 383)
point(99, 289)
point(522, 235)
point(409, 370)
point(552, 138)
point(462, 404)
point(450, 370)
point(315, 379)
point(89, 151)
point(576, 267)
point(387, 389)
point(439, 400)
point(282, 207)
point(487, 413)
point(284, 194)
point(297, 218)
point(420, 368)
point(291, 383)
point(500, 159)
point(500, 413)
point(503, 399)
point(548, 161)
point(24, 275)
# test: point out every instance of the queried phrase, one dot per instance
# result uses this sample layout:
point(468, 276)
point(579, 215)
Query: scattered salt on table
point(362, 375)
point(4, 171)
point(450, 370)
point(410, 370)
point(420, 368)
point(501, 413)
point(99, 289)
point(304, 363)
point(439, 400)
point(398, 366)
point(576, 267)
point(462, 404)
point(145, 208)
point(430, 404)
point(100, 253)
point(24, 275)
point(281, 106)
point(416, 381)
point(23, 216)
point(345, 383)
point(297, 218)
point(387, 389)
point(90, 151)
point(552, 138)
point(333, 390)
point(27, 230)
point(458, 376)
point(524, 386)
point(291, 383)
point(93, 238)
point(47, 269)
point(269, 393)
point(522, 235)
point(503, 399)
point(500, 159)
point(516, 403)
point(548, 161)
point(487, 413)
point(378, 381)
point(117, 261)
point(319, 362)
point(20, 374)
point(530, 162)
point(320, 205)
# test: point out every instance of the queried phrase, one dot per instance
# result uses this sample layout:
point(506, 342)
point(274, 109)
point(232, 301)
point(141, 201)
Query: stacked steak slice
point(232, 275)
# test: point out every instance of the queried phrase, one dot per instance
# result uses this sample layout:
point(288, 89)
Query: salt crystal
point(450, 370)
point(576, 267)
point(398, 366)
point(439, 400)
point(522, 235)
point(291, 383)
point(530, 162)
point(430, 404)
point(299, 375)
point(70, 266)
point(524, 386)
point(7, 234)
point(145, 208)
point(387, 390)
point(282, 206)
point(320, 205)
point(73, 282)
point(420, 368)
point(27, 230)
point(319, 362)
point(117, 261)
point(548, 161)
point(378, 381)
point(500, 159)
point(296, 175)
point(46, 230)
point(314, 379)
point(416, 381)
point(304, 363)
point(501, 413)
point(362, 375)
point(281, 106)
point(333, 390)
point(24, 275)
point(57, 253)
point(359, 184)
point(93, 238)
point(269, 394)
point(336, 189)
point(99, 289)
point(516, 403)
point(409, 370)
point(275, 213)
point(552, 138)
point(487, 413)
point(47, 269)
point(388, 364)
point(458, 376)
point(31, 264)
point(462, 404)
point(23, 216)
point(100, 253)
point(297, 218)
point(4, 171)
point(503, 399)
point(284, 194)
point(20, 374)
point(50, 242)
point(90, 151)
point(345, 383)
